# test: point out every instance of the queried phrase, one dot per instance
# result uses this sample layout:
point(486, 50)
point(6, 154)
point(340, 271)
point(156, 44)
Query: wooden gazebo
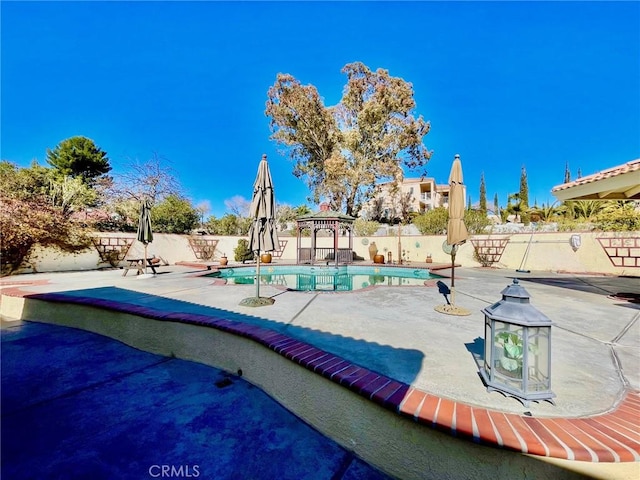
point(339, 224)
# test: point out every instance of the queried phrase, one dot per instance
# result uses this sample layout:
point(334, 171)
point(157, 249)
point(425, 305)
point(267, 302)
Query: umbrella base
point(452, 310)
point(257, 302)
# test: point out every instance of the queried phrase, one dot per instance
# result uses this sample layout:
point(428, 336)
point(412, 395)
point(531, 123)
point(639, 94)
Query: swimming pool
point(343, 278)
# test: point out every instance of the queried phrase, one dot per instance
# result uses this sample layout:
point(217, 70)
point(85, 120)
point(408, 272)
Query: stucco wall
point(547, 251)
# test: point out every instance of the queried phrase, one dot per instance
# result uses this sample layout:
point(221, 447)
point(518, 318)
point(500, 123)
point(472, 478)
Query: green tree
point(79, 157)
point(38, 183)
point(483, 195)
point(475, 221)
point(365, 228)
point(496, 206)
point(285, 214)
point(24, 183)
point(343, 151)
point(524, 191)
point(71, 194)
point(567, 173)
point(432, 222)
point(546, 213)
point(302, 210)
point(515, 208)
point(174, 215)
point(230, 224)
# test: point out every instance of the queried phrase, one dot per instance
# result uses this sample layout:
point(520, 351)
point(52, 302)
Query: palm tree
point(547, 212)
point(516, 208)
point(584, 210)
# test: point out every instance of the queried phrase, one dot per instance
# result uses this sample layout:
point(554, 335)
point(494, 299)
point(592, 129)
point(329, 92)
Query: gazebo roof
point(326, 215)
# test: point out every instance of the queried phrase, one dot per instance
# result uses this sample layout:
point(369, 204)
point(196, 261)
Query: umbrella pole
point(258, 276)
point(453, 270)
point(144, 260)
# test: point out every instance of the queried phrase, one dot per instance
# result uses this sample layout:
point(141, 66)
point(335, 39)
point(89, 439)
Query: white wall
point(547, 251)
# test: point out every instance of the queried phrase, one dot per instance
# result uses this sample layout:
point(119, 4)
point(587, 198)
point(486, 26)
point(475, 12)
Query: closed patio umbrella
point(145, 233)
point(456, 230)
point(457, 233)
point(263, 236)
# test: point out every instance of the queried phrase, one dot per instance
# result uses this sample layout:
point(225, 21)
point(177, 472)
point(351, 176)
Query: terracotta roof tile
point(632, 166)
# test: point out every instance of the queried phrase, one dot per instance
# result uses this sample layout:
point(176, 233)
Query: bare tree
point(153, 179)
point(376, 212)
point(238, 205)
point(203, 209)
point(404, 208)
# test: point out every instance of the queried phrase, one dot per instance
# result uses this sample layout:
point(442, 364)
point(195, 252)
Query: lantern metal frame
point(517, 348)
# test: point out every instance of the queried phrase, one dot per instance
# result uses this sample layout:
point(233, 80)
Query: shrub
point(365, 228)
point(623, 218)
point(433, 222)
point(242, 252)
point(475, 221)
point(26, 223)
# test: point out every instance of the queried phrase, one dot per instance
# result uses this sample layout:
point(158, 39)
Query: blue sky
point(504, 84)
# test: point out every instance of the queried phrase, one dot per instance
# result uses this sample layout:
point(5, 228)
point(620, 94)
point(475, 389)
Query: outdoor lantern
point(517, 348)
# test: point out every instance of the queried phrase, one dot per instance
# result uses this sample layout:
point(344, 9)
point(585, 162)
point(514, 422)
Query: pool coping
point(610, 437)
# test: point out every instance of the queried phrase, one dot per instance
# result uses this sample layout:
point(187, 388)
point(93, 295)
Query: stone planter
point(224, 261)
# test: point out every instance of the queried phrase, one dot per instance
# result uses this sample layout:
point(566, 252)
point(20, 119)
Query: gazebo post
point(336, 233)
point(298, 247)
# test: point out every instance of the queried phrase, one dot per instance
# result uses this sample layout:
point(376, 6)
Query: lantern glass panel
point(507, 364)
point(539, 372)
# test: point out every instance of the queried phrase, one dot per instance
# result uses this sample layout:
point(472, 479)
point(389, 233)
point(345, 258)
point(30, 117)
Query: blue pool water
point(326, 278)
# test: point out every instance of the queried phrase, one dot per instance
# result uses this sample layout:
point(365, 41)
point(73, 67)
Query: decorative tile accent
point(112, 249)
point(490, 250)
point(281, 246)
point(622, 252)
point(203, 248)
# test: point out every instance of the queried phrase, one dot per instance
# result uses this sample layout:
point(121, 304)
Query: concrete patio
point(421, 354)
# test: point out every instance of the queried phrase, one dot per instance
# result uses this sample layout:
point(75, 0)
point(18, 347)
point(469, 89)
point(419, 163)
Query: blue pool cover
point(77, 405)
